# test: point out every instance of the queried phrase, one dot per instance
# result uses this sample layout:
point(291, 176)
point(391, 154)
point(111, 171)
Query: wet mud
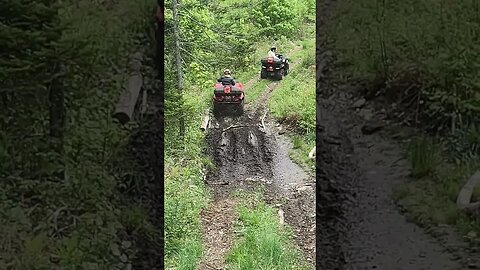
point(249, 155)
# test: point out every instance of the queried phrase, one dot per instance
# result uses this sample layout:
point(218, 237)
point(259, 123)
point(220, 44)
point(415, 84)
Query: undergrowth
point(430, 197)
point(420, 60)
point(79, 222)
point(263, 243)
point(293, 102)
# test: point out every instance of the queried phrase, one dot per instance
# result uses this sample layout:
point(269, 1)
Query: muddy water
point(286, 172)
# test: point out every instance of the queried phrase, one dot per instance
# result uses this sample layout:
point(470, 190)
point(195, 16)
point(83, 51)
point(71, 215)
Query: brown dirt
point(217, 223)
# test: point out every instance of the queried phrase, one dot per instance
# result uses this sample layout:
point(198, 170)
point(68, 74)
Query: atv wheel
point(263, 74)
point(216, 109)
point(279, 74)
point(240, 109)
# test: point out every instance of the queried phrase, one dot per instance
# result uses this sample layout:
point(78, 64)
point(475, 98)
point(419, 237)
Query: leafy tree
point(31, 76)
point(275, 18)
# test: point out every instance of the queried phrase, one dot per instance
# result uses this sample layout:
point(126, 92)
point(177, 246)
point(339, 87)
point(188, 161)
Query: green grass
point(263, 243)
point(430, 198)
point(302, 145)
point(185, 197)
point(256, 90)
point(185, 192)
point(293, 102)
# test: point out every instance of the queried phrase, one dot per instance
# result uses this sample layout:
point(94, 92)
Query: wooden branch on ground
point(128, 99)
point(263, 119)
point(233, 126)
point(465, 195)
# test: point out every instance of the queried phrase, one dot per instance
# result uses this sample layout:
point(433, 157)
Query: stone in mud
point(472, 266)
point(371, 128)
point(366, 114)
point(304, 188)
point(359, 103)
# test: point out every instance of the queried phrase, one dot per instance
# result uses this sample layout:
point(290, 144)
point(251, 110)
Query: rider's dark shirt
point(226, 80)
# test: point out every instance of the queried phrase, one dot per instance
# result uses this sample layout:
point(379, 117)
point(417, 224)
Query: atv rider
point(273, 52)
point(227, 79)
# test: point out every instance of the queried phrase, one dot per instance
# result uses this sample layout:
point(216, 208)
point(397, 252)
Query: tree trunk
point(160, 39)
point(178, 62)
point(57, 123)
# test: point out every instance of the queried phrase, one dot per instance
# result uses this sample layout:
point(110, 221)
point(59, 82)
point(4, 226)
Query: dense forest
point(66, 171)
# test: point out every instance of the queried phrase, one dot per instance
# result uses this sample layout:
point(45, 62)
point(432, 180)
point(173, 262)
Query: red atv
point(227, 97)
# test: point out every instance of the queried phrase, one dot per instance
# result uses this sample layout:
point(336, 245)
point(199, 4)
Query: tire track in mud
point(247, 156)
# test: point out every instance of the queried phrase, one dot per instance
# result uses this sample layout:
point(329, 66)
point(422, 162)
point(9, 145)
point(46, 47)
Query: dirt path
point(361, 227)
point(249, 155)
point(217, 225)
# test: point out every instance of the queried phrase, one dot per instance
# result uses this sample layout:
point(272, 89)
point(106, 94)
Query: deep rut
point(246, 152)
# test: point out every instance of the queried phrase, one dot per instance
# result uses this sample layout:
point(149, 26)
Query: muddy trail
point(358, 168)
point(249, 154)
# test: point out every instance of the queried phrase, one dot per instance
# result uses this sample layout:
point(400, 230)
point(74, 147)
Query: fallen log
point(465, 195)
point(311, 155)
point(281, 216)
point(128, 99)
point(205, 123)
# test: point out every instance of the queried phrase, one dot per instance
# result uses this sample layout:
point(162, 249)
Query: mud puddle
point(254, 156)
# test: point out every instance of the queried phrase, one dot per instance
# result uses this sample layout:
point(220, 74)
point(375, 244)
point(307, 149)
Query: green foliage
point(429, 47)
point(293, 102)
point(264, 243)
point(84, 46)
point(424, 157)
point(274, 17)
